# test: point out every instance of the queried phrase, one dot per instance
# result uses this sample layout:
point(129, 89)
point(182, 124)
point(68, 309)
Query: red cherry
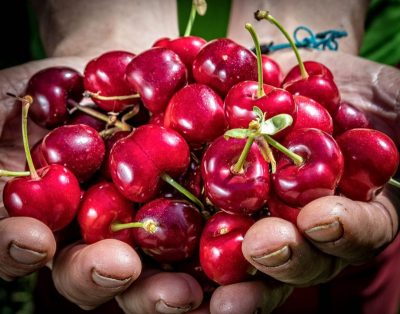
point(109, 143)
point(101, 206)
point(37, 156)
point(242, 97)
point(156, 74)
point(272, 73)
point(77, 147)
point(312, 68)
point(317, 176)
point(278, 208)
point(202, 121)
point(349, 117)
point(80, 117)
point(50, 89)
point(221, 254)
point(139, 160)
point(311, 114)
point(175, 229)
point(186, 48)
point(105, 75)
point(245, 192)
point(371, 158)
point(222, 63)
point(52, 198)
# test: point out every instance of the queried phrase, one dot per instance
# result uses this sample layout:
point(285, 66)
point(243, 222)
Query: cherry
point(349, 117)
point(319, 173)
point(51, 194)
point(311, 114)
point(104, 80)
point(202, 121)
point(139, 161)
point(272, 73)
point(37, 156)
point(101, 206)
point(312, 68)
point(221, 254)
point(317, 85)
point(371, 158)
point(278, 208)
point(51, 88)
point(222, 63)
point(244, 96)
point(77, 147)
point(173, 229)
point(156, 74)
point(242, 191)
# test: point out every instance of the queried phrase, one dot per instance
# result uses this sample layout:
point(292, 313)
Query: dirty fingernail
point(326, 233)
point(162, 307)
point(108, 282)
point(276, 258)
point(25, 256)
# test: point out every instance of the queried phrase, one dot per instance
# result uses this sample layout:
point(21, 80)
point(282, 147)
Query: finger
point(172, 293)
point(248, 297)
point(89, 275)
point(351, 230)
point(275, 247)
point(26, 244)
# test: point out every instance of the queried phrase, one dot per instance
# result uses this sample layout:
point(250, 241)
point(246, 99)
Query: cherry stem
point(261, 14)
point(297, 159)
point(267, 152)
point(190, 22)
point(167, 178)
point(238, 167)
point(130, 114)
point(98, 115)
point(100, 97)
point(148, 225)
point(260, 90)
point(394, 183)
point(6, 173)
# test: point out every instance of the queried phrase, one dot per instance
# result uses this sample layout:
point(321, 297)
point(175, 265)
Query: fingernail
point(326, 233)
point(25, 256)
point(274, 259)
point(108, 282)
point(164, 308)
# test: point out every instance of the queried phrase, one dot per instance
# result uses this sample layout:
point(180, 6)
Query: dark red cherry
point(50, 89)
point(241, 193)
point(105, 75)
point(53, 197)
point(78, 147)
point(157, 74)
point(175, 233)
point(278, 208)
point(349, 117)
point(222, 63)
point(221, 254)
point(272, 73)
point(109, 143)
point(197, 113)
point(80, 117)
point(101, 206)
point(371, 158)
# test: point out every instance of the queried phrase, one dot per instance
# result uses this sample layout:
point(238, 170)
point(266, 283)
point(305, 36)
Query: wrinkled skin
point(369, 86)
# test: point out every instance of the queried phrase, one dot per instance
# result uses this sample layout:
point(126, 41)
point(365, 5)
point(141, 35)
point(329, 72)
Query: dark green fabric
point(382, 36)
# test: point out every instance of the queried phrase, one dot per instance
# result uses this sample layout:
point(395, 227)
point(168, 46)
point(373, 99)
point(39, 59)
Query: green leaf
point(259, 113)
point(276, 124)
point(238, 133)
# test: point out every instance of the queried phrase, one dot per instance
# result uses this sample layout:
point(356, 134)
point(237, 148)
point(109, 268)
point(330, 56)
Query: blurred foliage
point(16, 297)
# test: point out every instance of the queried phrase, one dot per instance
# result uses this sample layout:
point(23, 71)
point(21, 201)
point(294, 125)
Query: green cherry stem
point(260, 90)
point(100, 97)
point(148, 225)
point(190, 22)
point(27, 101)
point(6, 173)
point(238, 167)
point(297, 159)
point(394, 183)
point(101, 116)
point(167, 178)
point(260, 15)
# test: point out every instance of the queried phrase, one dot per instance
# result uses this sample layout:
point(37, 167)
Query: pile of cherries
point(180, 149)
